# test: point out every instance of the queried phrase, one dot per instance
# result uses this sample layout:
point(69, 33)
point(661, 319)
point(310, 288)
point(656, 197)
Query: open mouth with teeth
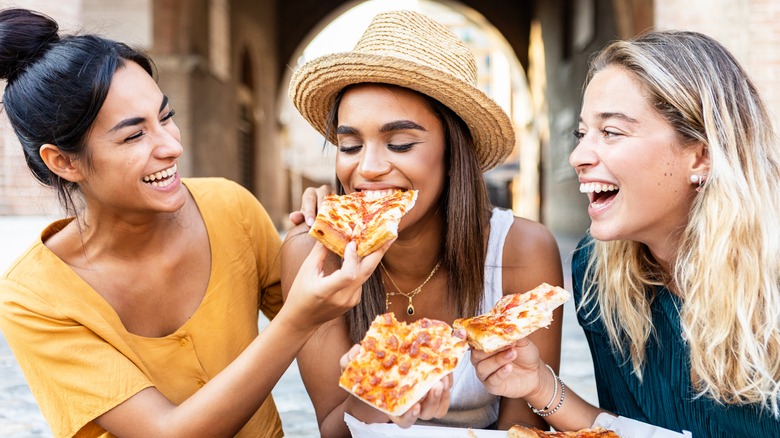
point(599, 193)
point(372, 195)
point(162, 178)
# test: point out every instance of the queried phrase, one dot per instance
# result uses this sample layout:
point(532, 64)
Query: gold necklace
point(409, 295)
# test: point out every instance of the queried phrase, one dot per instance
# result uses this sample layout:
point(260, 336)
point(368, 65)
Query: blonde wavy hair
point(727, 269)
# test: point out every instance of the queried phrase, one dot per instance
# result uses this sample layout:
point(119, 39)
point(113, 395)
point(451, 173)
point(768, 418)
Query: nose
point(584, 153)
point(374, 161)
point(168, 141)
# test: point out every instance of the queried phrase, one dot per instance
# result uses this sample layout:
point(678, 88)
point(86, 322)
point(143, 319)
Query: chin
point(605, 234)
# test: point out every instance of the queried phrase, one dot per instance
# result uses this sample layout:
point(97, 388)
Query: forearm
point(561, 407)
point(226, 403)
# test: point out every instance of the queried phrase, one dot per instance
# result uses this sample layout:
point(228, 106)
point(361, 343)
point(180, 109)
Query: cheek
point(345, 165)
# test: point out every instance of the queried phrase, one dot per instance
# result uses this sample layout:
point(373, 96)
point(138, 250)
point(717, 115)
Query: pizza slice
point(518, 431)
point(514, 317)
point(370, 219)
point(398, 362)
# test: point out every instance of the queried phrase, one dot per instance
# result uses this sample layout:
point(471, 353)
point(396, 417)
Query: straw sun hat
point(410, 50)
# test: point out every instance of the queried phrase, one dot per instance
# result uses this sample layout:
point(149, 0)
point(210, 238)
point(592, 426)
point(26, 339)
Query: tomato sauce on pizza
point(370, 219)
point(514, 317)
point(398, 362)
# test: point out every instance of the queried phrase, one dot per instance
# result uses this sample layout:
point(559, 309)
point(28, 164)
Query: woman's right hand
point(315, 298)
point(515, 372)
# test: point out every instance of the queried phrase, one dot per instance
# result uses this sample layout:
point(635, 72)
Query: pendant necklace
point(409, 295)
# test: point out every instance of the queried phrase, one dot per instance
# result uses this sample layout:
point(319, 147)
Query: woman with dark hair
point(139, 316)
point(404, 112)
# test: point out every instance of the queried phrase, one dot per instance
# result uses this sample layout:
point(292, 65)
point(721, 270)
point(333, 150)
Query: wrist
point(546, 387)
point(294, 321)
point(541, 394)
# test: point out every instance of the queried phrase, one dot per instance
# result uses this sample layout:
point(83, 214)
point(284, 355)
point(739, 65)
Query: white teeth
point(371, 195)
point(154, 177)
point(597, 188)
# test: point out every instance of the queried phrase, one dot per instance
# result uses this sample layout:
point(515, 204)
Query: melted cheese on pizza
point(398, 363)
point(518, 431)
point(361, 217)
point(514, 317)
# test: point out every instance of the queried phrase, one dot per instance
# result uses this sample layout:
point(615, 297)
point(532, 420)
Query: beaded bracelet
point(544, 412)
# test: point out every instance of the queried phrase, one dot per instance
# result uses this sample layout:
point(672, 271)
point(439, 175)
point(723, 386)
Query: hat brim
point(313, 90)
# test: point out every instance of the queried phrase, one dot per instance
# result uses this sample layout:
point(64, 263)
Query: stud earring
point(699, 180)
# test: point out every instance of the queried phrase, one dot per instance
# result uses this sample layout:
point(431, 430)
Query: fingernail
point(309, 221)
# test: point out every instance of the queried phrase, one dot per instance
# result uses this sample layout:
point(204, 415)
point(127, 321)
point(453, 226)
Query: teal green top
point(665, 396)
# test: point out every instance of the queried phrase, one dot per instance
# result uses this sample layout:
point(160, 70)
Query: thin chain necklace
point(409, 295)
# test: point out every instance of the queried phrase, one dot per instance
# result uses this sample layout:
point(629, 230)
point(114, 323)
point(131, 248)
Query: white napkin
point(628, 428)
point(391, 430)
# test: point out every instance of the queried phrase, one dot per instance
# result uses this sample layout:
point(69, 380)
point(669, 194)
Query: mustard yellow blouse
point(80, 361)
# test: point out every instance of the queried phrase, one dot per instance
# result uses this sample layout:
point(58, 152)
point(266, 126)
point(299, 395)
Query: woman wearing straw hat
point(404, 112)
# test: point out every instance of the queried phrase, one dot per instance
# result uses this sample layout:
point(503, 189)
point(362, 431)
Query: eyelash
point(578, 135)
point(393, 147)
point(164, 119)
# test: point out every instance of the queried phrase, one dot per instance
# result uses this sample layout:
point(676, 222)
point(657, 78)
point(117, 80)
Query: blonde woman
point(678, 284)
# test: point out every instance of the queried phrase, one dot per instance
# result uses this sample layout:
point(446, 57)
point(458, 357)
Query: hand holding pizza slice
point(514, 317)
point(369, 218)
point(398, 363)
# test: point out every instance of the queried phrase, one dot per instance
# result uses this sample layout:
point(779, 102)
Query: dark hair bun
point(24, 36)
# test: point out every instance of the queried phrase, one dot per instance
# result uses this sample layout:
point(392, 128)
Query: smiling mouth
point(599, 193)
point(372, 195)
point(162, 178)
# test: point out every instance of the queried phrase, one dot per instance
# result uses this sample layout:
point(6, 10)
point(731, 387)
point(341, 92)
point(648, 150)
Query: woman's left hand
point(310, 202)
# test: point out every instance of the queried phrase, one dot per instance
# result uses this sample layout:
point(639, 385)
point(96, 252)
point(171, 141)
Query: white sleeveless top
point(470, 404)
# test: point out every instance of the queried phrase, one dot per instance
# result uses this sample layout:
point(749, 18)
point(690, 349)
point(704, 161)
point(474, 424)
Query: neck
point(129, 237)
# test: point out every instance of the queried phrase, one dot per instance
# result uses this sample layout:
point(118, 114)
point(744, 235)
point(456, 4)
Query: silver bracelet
point(554, 396)
point(544, 412)
point(560, 403)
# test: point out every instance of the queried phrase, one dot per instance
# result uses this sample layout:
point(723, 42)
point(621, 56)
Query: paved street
point(20, 418)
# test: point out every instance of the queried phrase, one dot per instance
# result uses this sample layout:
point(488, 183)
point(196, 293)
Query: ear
point(700, 159)
point(60, 163)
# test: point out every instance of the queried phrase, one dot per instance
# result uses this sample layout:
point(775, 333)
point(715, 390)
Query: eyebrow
point(398, 125)
point(620, 116)
point(137, 120)
point(401, 125)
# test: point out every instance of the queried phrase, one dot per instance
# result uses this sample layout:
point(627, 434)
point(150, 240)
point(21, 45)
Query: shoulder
point(216, 190)
point(527, 237)
point(297, 238)
point(227, 200)
point(530, 257)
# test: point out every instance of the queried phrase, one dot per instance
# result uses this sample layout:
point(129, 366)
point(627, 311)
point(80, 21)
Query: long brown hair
point(466, 208)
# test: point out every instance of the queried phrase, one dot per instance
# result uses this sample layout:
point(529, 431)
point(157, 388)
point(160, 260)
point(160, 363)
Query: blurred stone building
point(225, 65)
